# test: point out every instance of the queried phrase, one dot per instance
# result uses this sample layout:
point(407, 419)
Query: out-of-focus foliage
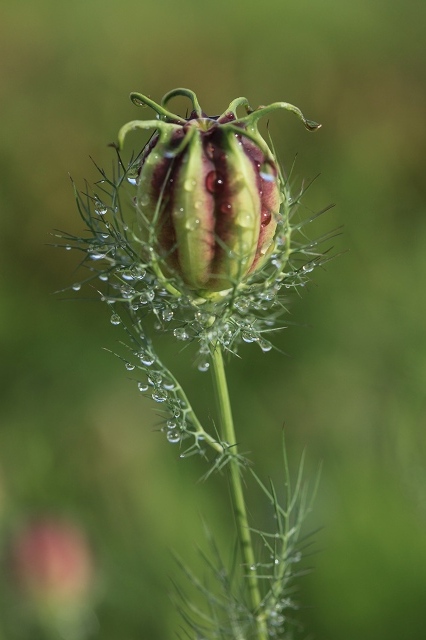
point(76, 440)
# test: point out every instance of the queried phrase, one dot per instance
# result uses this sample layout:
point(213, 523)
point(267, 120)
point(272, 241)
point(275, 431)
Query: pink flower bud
point(52, 563)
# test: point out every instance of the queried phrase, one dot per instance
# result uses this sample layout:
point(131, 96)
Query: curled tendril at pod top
point(209, 192)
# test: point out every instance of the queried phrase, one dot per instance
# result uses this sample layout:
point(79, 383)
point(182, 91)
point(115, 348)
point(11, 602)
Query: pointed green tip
point(311, 125)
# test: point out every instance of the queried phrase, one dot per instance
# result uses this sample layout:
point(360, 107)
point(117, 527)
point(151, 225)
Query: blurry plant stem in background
point(237, 495)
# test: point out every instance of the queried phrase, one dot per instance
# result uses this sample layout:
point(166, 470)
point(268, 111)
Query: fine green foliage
point(222, 610)
point(123, 271)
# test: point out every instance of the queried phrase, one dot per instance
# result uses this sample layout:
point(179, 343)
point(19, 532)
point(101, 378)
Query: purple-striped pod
point(208, 191)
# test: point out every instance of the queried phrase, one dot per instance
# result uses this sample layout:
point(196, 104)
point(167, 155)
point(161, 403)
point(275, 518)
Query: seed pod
point(208, 192)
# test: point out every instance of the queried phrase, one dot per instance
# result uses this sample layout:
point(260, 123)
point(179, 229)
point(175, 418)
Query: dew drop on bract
point(203, 366)
point(115, 319)
point(173, 436)
point(171, 424)
point(147, 359)
point(100, 208)
point(132, 174)
point(160, 395)
point(68, 247)
point(249, 336)
point(103, 277)
point(167, 315)
point(130, 366)
point(265, 345)
point(142, 387)
point(146, 296)
point(155, 378)
point(76, 286)
point(181, 333)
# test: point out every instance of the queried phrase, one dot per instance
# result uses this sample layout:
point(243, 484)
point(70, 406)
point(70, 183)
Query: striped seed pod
point(208, 191)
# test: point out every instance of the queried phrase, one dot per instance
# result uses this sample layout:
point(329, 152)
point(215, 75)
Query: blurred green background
point(75, 437)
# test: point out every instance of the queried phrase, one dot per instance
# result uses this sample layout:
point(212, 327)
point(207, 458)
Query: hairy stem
point(237, 495)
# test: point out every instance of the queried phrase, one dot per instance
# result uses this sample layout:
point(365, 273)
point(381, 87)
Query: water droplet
point(242, 305)
point(133, 173)
point(103, 277)
point(192, 224)
point(265, 345)
point(127, 292)
point(129, 366)
point(203, 366)
point(266, 218)
point(267, 172)
point(171, 424)
point(96, 256)
point(76, 286)
point(160, 395)
point(146, 358)
point(167, 315)
point(68, 247)
point(100, 208)
point(115, 319)
point(181, 333)
point(210, 148)
point(307, 268)
point(142, 387)
point(147, 296)
point(155, 378)
point(249, 336)
point(189, 184)
point(169, 385)
point(143, 199)
point(173, 436)
point(127, 275)
point(252, 567)
point(211, 181)
point(245, 220)
point(225, 207)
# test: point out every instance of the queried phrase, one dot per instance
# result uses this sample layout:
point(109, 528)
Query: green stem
point(237, 495)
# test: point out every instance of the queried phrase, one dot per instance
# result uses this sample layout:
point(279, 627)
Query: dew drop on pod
point(208, 191)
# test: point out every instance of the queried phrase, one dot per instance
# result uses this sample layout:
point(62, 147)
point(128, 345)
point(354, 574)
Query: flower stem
point(237, 495)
